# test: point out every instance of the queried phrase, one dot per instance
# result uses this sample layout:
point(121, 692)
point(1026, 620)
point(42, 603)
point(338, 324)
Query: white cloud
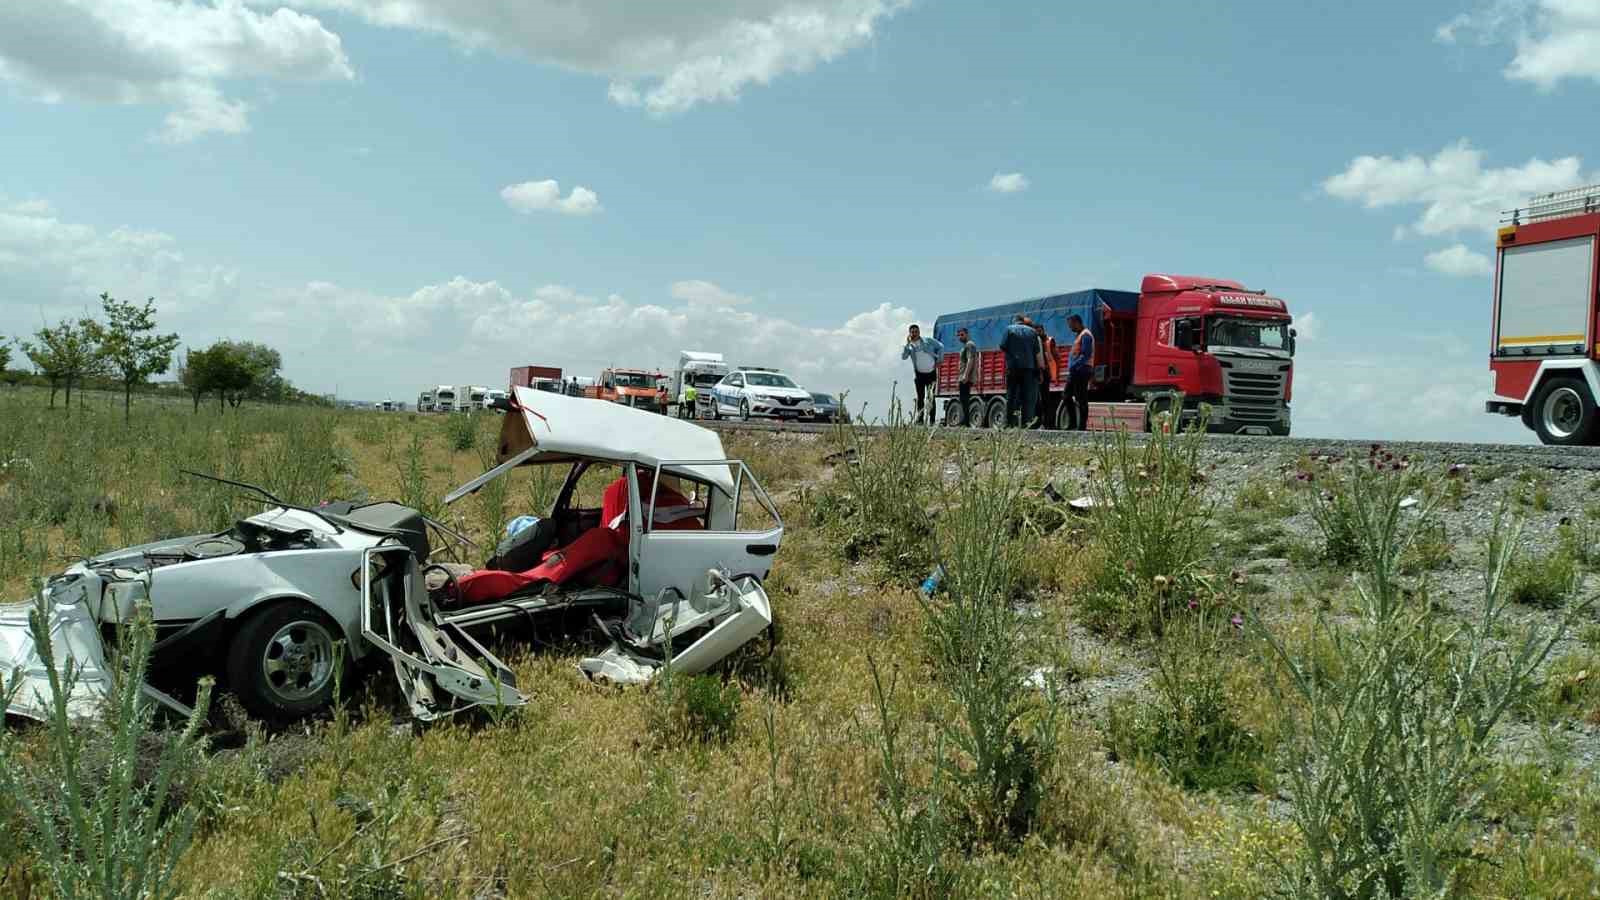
point(1554, 39)
point(534, 196)
point(706, 293)
point(1458, 261)
point(163, 53)
point(1452, 187)
point(664, 56)
point(1306, 326)
point(1008, 182)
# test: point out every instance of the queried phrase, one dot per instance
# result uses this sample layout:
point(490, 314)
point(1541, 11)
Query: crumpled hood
point(74, 636)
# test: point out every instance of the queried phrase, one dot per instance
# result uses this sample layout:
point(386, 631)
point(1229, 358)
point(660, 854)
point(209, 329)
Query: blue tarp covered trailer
point(989, 323)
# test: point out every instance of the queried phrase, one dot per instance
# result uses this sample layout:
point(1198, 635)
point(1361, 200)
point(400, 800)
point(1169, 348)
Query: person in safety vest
point(687, 408)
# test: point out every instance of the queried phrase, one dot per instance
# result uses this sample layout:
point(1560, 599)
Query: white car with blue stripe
point(751, 391)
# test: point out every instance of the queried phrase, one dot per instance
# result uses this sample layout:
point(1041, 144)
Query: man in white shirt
point(924, 354)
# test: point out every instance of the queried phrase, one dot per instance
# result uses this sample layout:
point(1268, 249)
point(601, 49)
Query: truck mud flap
point(436, 675)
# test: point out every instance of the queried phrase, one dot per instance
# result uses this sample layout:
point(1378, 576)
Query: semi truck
point(702, 370)
point(425, 401)
point(1543, 345)
point(444, 398)
point(1179, 339)
point(543, 378)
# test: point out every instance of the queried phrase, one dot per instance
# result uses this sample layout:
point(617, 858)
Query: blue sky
point(790, 181)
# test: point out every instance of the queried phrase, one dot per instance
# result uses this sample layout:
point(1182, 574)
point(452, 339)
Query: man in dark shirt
point(968, 375)
point(1021, 348)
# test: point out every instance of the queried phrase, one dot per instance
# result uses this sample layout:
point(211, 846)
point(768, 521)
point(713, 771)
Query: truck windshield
point(706, 379)
point(634, 380)
point(1247, 334)
point(768, 379)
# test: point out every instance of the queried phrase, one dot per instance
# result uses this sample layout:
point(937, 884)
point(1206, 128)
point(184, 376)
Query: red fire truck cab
point(1207, 340)
point(1544, 344)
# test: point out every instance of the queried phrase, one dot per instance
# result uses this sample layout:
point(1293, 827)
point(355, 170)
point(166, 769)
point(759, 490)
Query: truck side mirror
point(1183, 334)
point(1292, 335)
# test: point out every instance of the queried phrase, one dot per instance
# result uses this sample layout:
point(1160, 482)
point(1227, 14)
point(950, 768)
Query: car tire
point(975, 411)
point(281, 661)
point(744, 410)
point(1564, 413)
point(997, 413)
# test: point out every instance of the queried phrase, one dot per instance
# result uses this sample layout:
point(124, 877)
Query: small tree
point(66, 354)
point(129, 348)
point(198, 374)
point(5, 354)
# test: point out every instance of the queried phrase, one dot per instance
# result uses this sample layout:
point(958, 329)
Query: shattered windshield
point(768, 379)
point(634, 380)
point(1247, 334)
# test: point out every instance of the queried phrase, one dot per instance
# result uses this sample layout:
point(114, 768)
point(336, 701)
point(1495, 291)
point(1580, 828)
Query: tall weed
point(877, 503)
point(1389, 750)
point(1151, 518)
point(117, 839)
point(982, 649)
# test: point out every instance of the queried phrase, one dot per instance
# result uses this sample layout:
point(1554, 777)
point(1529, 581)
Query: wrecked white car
point(666, 566)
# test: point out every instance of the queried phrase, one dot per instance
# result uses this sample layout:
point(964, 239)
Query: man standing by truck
point(1021, 348)
point(1080, 367)
point(968, 374)
point(924, 354)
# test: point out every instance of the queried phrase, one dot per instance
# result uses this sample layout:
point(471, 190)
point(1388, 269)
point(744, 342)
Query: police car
point(749, 391)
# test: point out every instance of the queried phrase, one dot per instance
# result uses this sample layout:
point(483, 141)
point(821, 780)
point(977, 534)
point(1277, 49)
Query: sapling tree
point(129, 346)
point(65, 354)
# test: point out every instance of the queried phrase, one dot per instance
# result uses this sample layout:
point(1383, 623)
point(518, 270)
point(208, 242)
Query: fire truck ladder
point(1557, 205)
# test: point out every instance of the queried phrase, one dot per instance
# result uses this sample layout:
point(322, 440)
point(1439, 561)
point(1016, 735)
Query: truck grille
point(1254, 396)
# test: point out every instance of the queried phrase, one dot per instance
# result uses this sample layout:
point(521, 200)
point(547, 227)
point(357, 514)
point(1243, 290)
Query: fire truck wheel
point(954, 415)
point(1564, 414)
point(975, 418)
point(997, 413)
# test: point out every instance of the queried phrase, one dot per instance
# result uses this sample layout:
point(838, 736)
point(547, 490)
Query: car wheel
point(997, 413)
point(281, 662)
point(1564, 414)
point(744, 410)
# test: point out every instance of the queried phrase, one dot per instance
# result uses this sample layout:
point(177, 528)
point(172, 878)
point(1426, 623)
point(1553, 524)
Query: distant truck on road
point(638, 388)
point(1543, 343)
point(425, 401)
point(1205, 339)
point(444, 398)
point(702, 370)
point(543, 378)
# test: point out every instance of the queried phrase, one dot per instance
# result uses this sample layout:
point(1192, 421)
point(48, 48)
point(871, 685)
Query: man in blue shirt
point(1080, 369)
point(1021, 348)
point(924, 354)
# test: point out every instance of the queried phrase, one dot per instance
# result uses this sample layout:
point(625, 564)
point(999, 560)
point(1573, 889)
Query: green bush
point(1190, 728)
point(1429, 552)
point(698, 709)
point(1152, 519)
point(877, 504)
point(1544, 581)
point(1387, 750)
point(461, 431)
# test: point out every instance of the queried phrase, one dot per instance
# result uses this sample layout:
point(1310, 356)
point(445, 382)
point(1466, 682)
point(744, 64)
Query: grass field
point(1113, 705)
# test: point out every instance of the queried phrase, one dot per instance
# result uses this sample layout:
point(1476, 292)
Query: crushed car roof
point(542, 427)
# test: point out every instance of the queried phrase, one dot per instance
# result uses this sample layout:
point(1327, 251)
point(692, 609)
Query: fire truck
point(1543, 346)
point(1181, 338)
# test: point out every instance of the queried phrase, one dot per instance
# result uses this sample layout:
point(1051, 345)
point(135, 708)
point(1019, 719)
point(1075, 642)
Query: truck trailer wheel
point(997, 413)
point(1564, 413)
point(975, 410)
point(955, 415)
